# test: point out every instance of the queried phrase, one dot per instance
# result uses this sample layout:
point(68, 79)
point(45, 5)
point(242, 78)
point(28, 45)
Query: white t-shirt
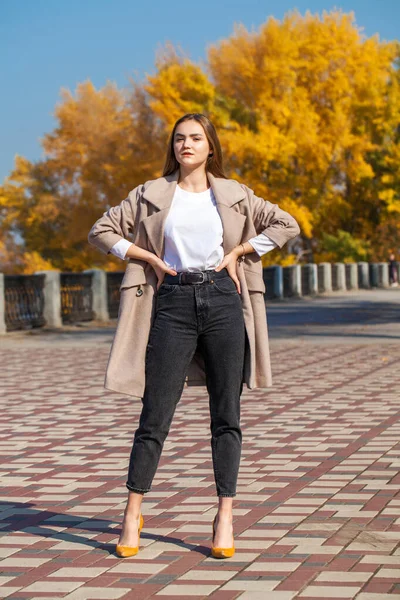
point(193, 234)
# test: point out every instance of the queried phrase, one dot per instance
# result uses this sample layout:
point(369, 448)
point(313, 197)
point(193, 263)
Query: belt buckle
point(202, 281)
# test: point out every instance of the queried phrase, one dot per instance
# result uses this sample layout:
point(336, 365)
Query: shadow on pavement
point(25, 518)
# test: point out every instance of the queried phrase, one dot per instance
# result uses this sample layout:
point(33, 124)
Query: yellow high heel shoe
point(127, 551)
point(221, 552)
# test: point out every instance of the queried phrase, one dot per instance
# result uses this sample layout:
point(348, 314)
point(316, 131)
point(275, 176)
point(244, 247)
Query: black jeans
point(209, 317)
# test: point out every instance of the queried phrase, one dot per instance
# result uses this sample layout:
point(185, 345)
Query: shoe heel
point(127, 551)
point(221, 552)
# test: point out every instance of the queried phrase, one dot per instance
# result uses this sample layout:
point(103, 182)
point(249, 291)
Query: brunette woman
point(192, 309)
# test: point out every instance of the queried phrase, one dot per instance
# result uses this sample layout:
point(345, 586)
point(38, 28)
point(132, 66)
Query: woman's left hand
point(229, 262)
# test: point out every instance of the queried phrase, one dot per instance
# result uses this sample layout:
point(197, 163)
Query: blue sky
point(48, 44)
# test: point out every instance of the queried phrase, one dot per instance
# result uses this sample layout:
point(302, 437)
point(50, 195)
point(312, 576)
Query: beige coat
point(141, 218)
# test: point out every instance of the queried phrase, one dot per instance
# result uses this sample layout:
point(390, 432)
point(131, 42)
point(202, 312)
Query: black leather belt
point(187, 277)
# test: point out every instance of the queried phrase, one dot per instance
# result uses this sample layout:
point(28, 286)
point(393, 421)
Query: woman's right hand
point(161, 269)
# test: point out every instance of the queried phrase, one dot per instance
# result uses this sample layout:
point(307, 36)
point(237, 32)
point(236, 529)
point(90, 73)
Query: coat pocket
point(134, 275)
point(255, 282)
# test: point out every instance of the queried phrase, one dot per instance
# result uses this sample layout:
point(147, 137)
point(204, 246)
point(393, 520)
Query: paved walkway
point(317, 513)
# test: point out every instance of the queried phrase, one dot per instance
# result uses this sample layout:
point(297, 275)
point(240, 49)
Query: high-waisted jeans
point(209, 317)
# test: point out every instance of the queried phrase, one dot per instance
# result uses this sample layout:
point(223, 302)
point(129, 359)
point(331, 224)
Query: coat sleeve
point(116, 223)
point(271, 220)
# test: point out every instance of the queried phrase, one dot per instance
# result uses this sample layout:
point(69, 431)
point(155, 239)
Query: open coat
point(141, 218)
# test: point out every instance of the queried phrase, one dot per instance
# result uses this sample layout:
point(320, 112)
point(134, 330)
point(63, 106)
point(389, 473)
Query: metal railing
point(335, 281)
point(24, 301)
point(76, 297)
point(305, 281)
point(286, 282)
point(269, 280)
point(114, 280)
point(348, 276)
point(87, 296)
point(320, 278)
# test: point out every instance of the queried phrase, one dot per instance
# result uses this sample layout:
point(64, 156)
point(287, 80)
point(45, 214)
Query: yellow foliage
point(281, 259)
point(32, 262)
point(179, 88)
point(307, 110)
point(302, 215)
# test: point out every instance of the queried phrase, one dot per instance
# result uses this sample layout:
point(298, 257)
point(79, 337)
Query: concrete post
point(363, 275)
point(340, 276)
point(383, 274)
point(312, 278)
point(52, 298)
point(351, 276)
point(374, 274)
point(278, 282)
point(99, 294)
point(3, 328)
point(325, 277)
point(296, 281)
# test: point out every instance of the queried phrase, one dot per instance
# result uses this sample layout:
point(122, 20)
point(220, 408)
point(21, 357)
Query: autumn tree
point(104, 142)
point(307, 110)
point(317, 113)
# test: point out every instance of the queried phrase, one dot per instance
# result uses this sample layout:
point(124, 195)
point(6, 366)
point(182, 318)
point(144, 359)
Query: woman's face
point(191, 145)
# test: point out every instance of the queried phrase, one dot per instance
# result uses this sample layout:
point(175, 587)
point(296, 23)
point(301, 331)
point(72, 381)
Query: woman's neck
point(193, 181)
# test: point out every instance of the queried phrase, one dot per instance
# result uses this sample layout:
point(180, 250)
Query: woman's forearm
point(141, 254)
point(245, 248)
point(260, 244)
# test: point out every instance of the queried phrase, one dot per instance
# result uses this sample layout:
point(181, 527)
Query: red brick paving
point(318, 488)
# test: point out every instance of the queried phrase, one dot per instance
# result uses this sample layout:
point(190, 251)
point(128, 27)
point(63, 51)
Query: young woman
point(192, 308)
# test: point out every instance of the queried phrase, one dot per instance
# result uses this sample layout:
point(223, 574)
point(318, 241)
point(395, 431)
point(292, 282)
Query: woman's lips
point(187, 154)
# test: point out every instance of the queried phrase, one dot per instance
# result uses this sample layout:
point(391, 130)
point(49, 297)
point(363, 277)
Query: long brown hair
point(214, 162)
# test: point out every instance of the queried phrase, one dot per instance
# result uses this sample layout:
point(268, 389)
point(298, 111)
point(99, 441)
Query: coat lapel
point(159, 193)
point(227, 192)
